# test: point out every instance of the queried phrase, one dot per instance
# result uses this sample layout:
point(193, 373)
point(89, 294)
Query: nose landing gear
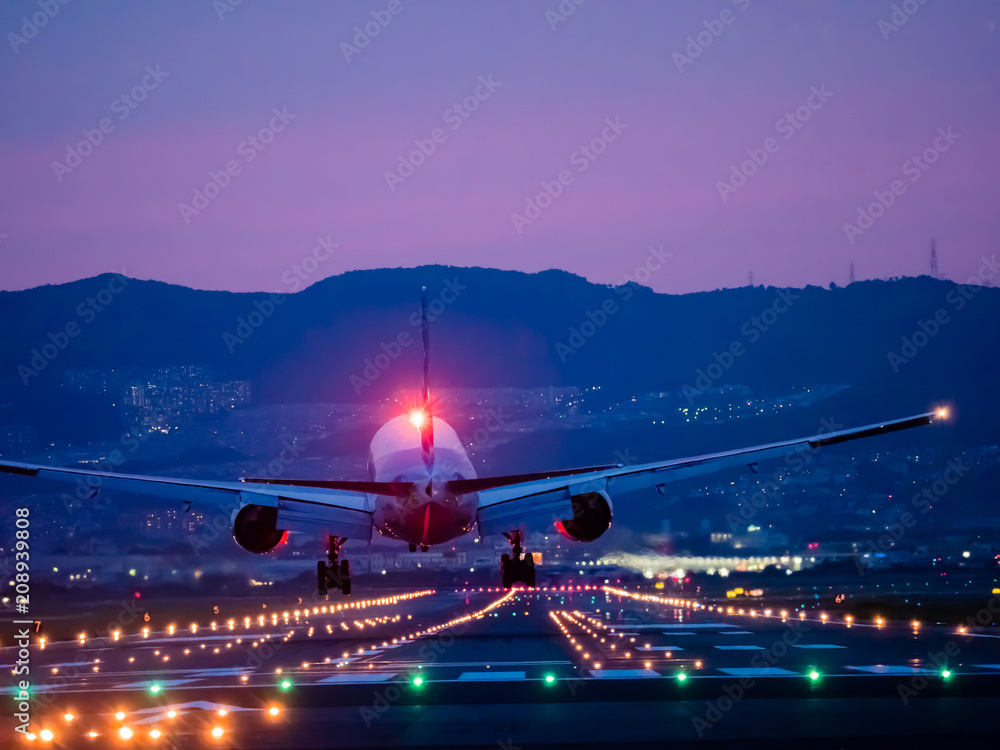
point(336, 575)
point(517, 569)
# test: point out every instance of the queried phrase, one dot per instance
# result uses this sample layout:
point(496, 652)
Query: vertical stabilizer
point(427, 429)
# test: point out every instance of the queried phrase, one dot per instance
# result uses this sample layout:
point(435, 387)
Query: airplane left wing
point(539, 504)
point(345, 513)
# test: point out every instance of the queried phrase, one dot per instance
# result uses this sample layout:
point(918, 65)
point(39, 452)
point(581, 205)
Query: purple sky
point(656, 184)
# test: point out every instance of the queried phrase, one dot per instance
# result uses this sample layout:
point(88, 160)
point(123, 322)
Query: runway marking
point(987, 666)
point(818, 645)
point(735, 632)
point(491, 676)
point(740, 648)
point(660, 648)
point(682, 626)
point(624, 673)
point(359, 677)
point(891, 669)
point(162, 683)
point(757, 671)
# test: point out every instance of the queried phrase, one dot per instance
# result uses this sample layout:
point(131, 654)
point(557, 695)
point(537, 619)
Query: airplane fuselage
point(430, 513)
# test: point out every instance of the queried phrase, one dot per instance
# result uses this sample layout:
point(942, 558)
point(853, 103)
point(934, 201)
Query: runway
point(595, 666)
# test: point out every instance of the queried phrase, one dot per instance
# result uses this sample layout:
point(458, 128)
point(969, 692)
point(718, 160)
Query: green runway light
point(814, 675)
point(946, 674)
point(286, 684)
point(418, 681)
point(681, 677)
point(550, 678)
point(154, 689)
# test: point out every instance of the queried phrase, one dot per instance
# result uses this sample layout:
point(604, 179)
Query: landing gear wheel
point(321, 576)
point(517, 569)
point(336, 574)
point(345, 577)
point(505, 570)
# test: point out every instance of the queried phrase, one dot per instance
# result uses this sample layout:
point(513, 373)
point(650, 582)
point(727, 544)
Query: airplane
point(422, 489)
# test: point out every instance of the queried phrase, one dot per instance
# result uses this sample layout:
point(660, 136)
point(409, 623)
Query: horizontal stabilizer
point(397, 489)
point(463, 486)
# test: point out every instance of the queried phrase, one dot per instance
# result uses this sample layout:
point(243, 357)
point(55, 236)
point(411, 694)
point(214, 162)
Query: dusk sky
point(864, 92)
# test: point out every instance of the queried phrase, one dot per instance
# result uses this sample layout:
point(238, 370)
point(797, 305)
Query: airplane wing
point(506, 503)
point(345, 512)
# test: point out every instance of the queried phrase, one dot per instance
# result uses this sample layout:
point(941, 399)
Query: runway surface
point(594, 666)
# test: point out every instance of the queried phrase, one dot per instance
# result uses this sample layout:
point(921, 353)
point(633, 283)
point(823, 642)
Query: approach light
point(418, 417)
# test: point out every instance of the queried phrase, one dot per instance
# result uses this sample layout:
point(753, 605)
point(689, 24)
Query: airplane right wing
point(507, 503)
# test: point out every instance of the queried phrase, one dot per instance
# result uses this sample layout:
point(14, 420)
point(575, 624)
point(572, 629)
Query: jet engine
point(255, 528)
point(591, 517)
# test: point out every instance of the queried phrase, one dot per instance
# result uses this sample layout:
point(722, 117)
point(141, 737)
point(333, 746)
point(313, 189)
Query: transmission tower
point(934, 265)
point(852, 273)
point(750, 278)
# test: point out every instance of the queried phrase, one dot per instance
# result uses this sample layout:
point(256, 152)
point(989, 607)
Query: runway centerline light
point(286, 684)
point(946, 674)
point(418, 681)
point(681, 677)
point(550, 678)
point(814, 675)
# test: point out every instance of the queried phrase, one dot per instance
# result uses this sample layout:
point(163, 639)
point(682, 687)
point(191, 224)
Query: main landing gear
point(517, 569)
point(335, 575)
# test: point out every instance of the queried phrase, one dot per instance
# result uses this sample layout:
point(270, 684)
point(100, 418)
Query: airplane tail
point(427, 429)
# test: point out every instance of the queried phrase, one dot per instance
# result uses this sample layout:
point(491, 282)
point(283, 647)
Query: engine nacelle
point(255, 528)
point(591, 517)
